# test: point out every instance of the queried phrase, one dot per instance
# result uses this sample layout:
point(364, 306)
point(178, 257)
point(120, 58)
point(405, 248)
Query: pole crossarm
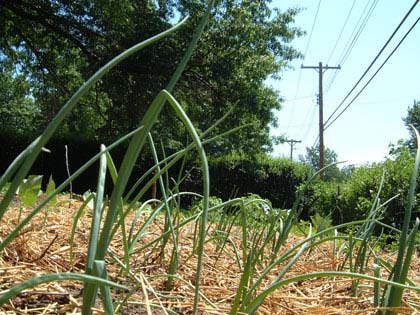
point(292, 143)
point(324, 68)
point(321, 69)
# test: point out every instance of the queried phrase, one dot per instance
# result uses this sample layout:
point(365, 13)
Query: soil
point(43, 247)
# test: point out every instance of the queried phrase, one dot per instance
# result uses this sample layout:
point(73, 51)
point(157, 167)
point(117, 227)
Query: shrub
point(352, 198)
point(275, 179)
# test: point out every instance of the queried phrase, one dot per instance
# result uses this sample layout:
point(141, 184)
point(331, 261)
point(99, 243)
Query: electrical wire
point(349, 46)
point(310, 125)
point(341, 32)
point(312, 29)
point(333, 77)
point(316, 142)
point(373, 76)
point(374, 60)
point(357, 31)
point(297, 98)
point(304, 56)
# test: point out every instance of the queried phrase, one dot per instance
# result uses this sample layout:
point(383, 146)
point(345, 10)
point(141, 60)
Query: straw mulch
point(44, 246)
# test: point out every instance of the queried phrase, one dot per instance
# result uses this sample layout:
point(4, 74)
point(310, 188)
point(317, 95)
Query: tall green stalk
point(324, 274)
point(138, 141)
point(169, 226)
point(26, 159)
point(90, 290)
point(206, 188)
point(136, 145)
point(405, 249)
point(59, 189)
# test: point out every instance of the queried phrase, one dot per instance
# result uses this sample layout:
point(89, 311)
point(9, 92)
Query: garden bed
point(44, 247)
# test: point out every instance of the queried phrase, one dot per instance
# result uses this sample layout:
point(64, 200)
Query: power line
point(357, 31)
point(310, 125)
point(304, 57)
point(341, 32)
point(368, 82)
point(305, 123)
point(296, 93)
point(335, 46)
point(376, 58)
point(301, 125)
point(321, 71)
point(297, 98)
point(312, 30)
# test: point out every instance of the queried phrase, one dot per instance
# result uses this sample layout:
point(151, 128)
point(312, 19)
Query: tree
point(247, 43)
point(330, 157)
point(58, 44)
point(18, 111)
point(413, 118)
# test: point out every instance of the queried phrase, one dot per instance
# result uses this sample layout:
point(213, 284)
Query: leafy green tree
point(18, 111)
point(413, 118)
point(353, 197)
point(246, 43)
point(330, 157)
point(58, 44)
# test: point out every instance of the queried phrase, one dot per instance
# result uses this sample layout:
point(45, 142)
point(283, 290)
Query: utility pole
point(321, 69)
point(292, 143)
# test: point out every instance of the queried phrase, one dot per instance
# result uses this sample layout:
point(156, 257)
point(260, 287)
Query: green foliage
point(50, 190)
point(100, 238)
point(259, 211)
point(29, 190)
point(247, 43)
point(271, 178)
point(213, 202)
point(407, 239)
point(4, 188)
point(352, 198)
point(332, 172)
point(319, 198)
point(58, 44)
point(19, 114)
point(321, 223)
point(413, 118)
point(263, 230)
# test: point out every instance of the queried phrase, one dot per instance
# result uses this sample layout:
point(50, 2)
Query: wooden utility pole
point(321, 69)
point(292, 143)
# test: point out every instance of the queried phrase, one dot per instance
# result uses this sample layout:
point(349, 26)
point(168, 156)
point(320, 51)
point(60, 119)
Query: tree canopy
point(330, 158)
point(53, 46)
point(18, 112)
point(413, 118)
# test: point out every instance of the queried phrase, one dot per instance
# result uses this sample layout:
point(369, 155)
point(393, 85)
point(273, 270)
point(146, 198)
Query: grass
point(254, 240)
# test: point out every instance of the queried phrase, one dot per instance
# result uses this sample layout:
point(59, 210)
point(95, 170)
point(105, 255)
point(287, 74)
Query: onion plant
point(399, 273)
point(100, 239)
point(263, 230)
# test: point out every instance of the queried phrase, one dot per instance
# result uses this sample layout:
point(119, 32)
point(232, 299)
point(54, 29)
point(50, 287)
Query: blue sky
point(363, 133)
